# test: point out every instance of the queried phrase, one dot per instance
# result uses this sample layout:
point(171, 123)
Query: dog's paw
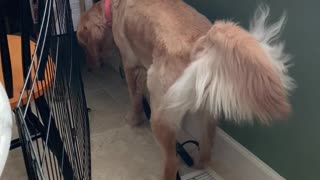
point(201, 162)
point(135, 119)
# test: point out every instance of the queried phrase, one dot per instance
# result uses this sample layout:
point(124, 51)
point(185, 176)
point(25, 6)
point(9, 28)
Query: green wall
point(292, 148)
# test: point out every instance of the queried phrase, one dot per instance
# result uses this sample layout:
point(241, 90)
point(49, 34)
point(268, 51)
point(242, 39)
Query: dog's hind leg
point(164, 131)
point(208, 129)
point(166, 137)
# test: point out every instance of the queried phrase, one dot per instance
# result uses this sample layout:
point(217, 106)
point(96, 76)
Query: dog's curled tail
point(236, 74)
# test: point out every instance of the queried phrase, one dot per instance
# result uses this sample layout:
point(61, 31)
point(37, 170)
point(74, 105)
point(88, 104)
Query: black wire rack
point(51, 112)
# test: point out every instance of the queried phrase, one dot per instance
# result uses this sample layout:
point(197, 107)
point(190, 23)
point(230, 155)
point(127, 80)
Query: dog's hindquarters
point(238, 74)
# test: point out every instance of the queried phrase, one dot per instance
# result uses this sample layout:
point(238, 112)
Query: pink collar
point(107, 12)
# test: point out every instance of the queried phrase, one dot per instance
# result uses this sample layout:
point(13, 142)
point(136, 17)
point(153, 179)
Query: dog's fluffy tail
point(236, 74)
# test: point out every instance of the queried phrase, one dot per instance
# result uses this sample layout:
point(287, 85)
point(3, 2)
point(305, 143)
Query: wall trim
point(231, 160)
point(248, 165)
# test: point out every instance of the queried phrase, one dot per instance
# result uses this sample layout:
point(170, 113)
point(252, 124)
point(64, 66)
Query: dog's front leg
point(136, 79)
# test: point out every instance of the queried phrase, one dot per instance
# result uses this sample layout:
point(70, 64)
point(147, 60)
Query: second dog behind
point(94, 36)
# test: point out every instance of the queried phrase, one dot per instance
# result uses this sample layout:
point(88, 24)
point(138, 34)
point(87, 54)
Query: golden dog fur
point(94, 36)
point(195, 67)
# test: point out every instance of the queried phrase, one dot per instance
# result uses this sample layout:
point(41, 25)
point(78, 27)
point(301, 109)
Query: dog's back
point(159, 32)
point(167, 26)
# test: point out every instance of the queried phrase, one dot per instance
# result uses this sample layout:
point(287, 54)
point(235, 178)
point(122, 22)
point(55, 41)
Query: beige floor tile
point(109, 80)
point(126, 153)
point(105, 113)
point(14, 169)
point(90, 83)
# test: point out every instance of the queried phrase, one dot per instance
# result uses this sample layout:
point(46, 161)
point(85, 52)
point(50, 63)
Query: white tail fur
point(268, 36)
point(236, 74)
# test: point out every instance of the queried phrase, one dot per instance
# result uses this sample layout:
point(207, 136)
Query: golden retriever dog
point(95, 36)
point(213, 71)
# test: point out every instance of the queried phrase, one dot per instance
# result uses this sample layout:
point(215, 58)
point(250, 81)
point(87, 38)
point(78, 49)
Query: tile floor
point(119, 152)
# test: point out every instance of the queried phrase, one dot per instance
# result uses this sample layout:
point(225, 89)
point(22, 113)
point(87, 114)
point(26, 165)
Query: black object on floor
point(181, 151)
point(146, 108)
point(122, 73)
point(178, 176)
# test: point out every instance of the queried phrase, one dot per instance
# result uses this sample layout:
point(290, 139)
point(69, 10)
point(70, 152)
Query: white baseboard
point(244, 164)
point(233, 161)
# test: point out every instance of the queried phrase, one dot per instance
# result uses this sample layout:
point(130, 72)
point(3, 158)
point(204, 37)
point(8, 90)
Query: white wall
point(75, 9)
point(88, 4)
